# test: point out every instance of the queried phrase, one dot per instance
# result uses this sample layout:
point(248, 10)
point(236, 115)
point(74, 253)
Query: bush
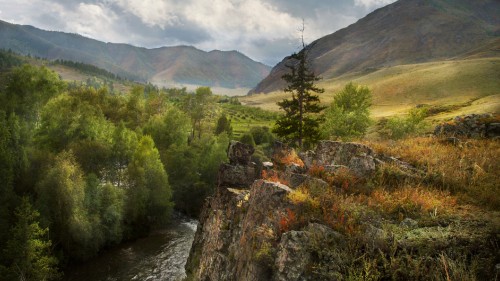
point(261, 135)
point(400, 127)
point(348, 116)
point(247, 138)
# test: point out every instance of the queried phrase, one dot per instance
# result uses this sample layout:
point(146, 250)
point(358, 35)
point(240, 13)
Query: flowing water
point(159, 257)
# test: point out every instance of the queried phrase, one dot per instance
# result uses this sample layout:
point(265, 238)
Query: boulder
point(471, 126)
point(294, 255)
point(239, 153)
point(237, 175)
point(359, 158)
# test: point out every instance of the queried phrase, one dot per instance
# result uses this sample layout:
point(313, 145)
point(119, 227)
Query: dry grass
point(399, 88)
point(459, 187)
point(470, 171)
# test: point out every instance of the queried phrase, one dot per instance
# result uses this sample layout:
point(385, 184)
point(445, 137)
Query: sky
point(264, 30)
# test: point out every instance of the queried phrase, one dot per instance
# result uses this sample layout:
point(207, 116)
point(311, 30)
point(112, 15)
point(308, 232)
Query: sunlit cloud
point(265, 30)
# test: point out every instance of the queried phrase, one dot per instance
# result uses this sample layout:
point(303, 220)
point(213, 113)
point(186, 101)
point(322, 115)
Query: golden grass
point(399, 88)
point(471, 171)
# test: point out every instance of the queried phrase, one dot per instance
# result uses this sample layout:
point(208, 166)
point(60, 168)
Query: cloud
point(151, 12)
point(90, 19)
point(265, 30)
point(372, 3)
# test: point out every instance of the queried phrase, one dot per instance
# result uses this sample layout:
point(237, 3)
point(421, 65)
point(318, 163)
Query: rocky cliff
point(317, 217)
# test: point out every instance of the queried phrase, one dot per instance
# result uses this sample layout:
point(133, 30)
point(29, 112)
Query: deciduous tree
point(348, 116)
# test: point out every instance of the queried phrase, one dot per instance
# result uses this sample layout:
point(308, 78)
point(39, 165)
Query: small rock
point(409, 223)
point(267, 166)
point(295, 180)
point(294, 168)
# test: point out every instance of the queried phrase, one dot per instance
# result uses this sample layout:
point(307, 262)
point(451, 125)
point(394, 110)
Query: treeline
point(82, 169)
point(89, 69)
point(8, 59)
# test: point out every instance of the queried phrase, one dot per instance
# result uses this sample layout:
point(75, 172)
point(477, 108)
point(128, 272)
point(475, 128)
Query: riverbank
point(159, 256)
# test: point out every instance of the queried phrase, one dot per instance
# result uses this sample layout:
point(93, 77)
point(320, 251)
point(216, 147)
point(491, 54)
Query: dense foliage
point(84, 168)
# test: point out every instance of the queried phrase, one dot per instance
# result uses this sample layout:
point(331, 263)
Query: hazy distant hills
point(405, 32)
point(167, 65)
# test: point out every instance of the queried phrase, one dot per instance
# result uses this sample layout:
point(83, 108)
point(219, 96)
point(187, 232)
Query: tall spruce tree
point(300, 122)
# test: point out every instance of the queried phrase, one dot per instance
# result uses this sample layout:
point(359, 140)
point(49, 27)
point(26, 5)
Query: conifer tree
point(299, 123)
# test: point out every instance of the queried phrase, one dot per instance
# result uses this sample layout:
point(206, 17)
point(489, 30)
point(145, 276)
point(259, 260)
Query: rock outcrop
point(249, 229)
point(359, 158)
point(471, 126)
point(240, 172)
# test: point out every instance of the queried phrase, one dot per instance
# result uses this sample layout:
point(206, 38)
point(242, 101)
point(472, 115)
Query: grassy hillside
point(404, 32)
point(463, 85)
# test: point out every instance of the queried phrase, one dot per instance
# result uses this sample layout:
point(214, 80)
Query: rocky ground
point(347, 211)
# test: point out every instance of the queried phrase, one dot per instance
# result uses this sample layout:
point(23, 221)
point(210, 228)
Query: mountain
point(167, 65)
point(405, 32)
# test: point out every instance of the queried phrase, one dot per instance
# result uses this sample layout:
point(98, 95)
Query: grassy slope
point(71, 74)
point(396, 89)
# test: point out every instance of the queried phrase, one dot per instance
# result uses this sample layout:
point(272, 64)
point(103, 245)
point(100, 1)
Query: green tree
point(124, 143)
point(29, 248)
point(112, 205)
point(135, 108)
point(299, 123)
point(66, 119)
point(192, 170)
point(149, 194)
point(170, 127)
point(28, 89)
point(7, 177)
point(200, 106)
point(61, 200)
point(223, 125)
point(348, 116)
point(261, 135)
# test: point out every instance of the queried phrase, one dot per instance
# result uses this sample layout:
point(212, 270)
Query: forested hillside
point(83, 168)
point(183, 65)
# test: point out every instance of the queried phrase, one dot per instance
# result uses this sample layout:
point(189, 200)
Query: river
point(159, 257)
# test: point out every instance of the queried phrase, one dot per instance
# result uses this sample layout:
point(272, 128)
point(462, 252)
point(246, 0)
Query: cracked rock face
point(358, 158)
point(235, 227)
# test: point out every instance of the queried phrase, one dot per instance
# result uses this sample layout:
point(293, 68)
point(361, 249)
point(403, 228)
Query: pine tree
point(299, 123)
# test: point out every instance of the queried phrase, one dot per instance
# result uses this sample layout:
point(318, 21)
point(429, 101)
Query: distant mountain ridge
point(405, 32)
point(168, 65)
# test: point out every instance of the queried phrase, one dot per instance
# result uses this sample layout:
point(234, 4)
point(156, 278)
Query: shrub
point(348, 116)
point(400, 127)
point(247, 138)
point(261, 135)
